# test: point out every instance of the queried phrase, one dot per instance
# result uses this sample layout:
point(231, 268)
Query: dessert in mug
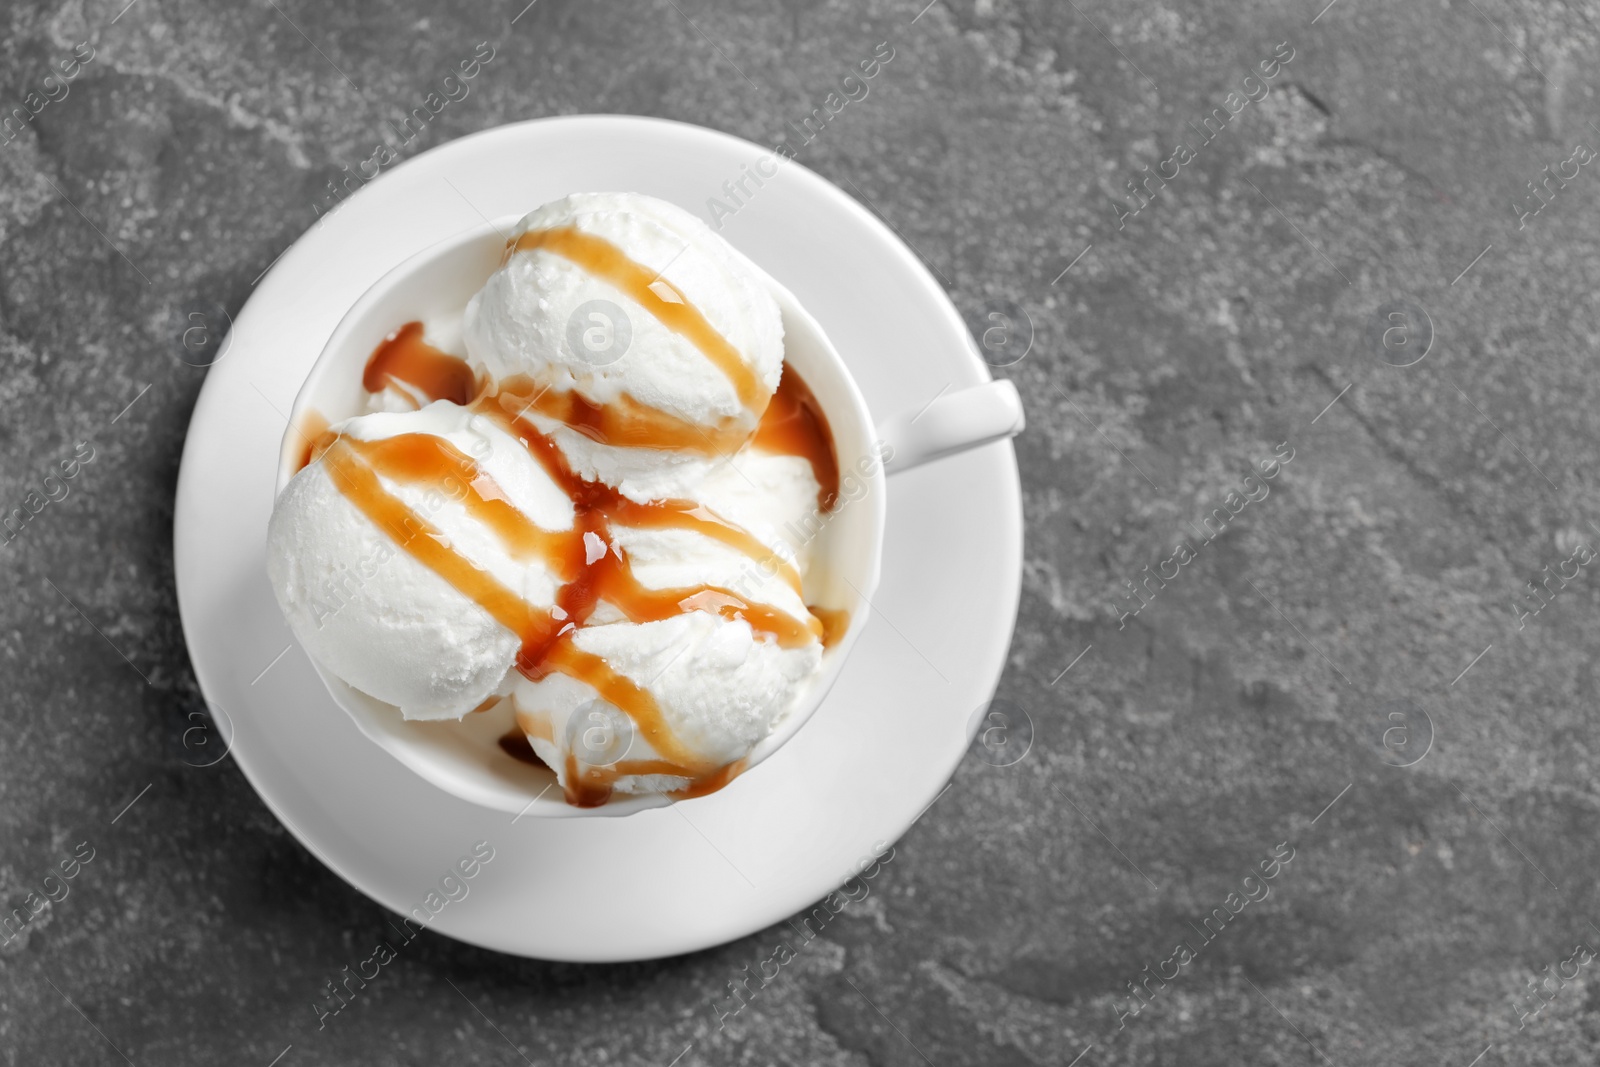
point(592, 494)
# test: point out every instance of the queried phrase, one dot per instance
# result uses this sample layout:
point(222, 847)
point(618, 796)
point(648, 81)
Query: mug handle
point(953, 423)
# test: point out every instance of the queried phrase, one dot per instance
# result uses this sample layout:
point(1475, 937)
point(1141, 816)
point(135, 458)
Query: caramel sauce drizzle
point(688, 515)
point(623, 693)
point(312, 437)
point(792, 423)
point(835, 621)
point(626, 423)
point(404, 357)
point(350, 464)
point(421, 458)
point(602, 259)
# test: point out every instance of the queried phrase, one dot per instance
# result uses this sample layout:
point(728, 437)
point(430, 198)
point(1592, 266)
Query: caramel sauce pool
point(310, 434)
point(405, 357)
point(516, 745)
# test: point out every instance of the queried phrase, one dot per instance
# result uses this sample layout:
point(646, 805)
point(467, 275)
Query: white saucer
point(694, 874)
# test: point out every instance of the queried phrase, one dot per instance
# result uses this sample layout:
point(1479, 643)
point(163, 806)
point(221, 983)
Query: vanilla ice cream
point(603, 522)
point(717, 684)
point(633, 307)
point(375, 615)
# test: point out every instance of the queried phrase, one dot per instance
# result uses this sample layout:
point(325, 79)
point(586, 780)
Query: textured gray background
point(1167, 763)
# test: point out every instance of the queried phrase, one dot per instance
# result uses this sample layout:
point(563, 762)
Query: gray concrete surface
point(1244, 708)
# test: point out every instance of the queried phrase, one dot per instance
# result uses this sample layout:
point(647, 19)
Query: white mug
point(463, 757)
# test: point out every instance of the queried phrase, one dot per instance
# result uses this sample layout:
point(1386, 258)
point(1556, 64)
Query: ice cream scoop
point(647, 346)
point(677, 707)
point(644, 700)
point(362, 543)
